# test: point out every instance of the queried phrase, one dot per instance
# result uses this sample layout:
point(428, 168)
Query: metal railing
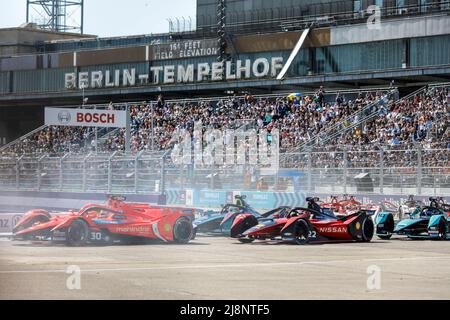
point(366, 113)
point(94, 172)
point(389, 171)
point(421, 171)
point(362, 116)
point(28, 135)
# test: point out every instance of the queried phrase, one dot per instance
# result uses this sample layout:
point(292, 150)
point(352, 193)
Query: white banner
point(8, 221)
point(85, 118)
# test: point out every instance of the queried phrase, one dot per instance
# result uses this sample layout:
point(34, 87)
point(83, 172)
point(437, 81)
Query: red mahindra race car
point(347, 205)
point(304, 225)
point(117, 221)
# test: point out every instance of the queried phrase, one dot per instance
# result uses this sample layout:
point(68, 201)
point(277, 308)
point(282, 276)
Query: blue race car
point(427, 222)
point(213, 221)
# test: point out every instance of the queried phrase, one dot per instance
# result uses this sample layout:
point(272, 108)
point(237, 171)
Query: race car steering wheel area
point(294, 213)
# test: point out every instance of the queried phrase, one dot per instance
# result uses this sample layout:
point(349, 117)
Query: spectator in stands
point(262, 185)
point(421, 119)
point(320, 95)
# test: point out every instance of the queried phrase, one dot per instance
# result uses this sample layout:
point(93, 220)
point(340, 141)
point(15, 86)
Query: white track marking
point(221, 266)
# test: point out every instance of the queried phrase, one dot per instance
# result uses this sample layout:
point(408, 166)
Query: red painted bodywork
point(331, 229)
point(344, 206)
point(338, 230)
point(117, 217)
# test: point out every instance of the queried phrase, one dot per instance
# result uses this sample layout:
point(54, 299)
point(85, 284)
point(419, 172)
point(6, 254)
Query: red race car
point(347, 205)
point(117, 221)
point(304, 225)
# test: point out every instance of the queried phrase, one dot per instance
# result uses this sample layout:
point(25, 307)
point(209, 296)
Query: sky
point(107, 18)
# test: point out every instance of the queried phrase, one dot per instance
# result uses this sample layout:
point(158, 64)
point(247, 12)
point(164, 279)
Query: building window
point(423, 5)
point(379, 3)
point(357, 6)
point(400, 3)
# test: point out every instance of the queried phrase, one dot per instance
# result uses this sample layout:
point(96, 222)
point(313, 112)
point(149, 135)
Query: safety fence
point(420, 171)
point(94, 172)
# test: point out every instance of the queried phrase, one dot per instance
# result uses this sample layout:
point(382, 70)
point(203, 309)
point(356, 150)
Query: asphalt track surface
point(221, 268)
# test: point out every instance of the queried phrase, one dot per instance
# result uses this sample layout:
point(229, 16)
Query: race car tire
point(77, 234)
point(442, 229)
point(367, 229)
point(108, 238)
point(183, 231)
point(194, 233)
point(301, 232)
point(246, 240)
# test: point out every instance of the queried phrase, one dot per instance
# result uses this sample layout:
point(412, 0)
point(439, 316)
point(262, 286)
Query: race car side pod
point(242, 223)
point(385, 225)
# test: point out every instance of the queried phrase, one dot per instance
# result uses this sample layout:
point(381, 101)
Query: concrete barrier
point(23, 201)
point(267, 200)
point(64, 201)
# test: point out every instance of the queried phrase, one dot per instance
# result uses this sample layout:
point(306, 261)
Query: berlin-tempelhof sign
point(171, 74)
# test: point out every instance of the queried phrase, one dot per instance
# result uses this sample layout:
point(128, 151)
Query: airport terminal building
point(350, 44)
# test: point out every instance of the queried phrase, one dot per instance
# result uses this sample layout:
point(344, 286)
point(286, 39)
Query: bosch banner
point(85, 118)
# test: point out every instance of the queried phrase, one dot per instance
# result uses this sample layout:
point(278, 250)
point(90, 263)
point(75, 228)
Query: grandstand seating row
point(419, 119)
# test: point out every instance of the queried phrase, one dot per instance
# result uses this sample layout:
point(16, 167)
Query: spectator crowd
point(421, 119)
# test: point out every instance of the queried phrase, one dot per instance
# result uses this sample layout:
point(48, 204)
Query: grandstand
point(373, 102)
point(339, 52)
point(370, 117)
point(402, 143)
point(265, 111)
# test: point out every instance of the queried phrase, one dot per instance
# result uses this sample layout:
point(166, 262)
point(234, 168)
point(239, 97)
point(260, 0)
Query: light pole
point(83, 104)
point(153, 127)
point(84, 100)
point(96, 137)
point(128, 130)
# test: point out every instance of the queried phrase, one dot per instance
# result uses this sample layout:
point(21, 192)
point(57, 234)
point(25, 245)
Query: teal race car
point(220, 222)
point(426, 222)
